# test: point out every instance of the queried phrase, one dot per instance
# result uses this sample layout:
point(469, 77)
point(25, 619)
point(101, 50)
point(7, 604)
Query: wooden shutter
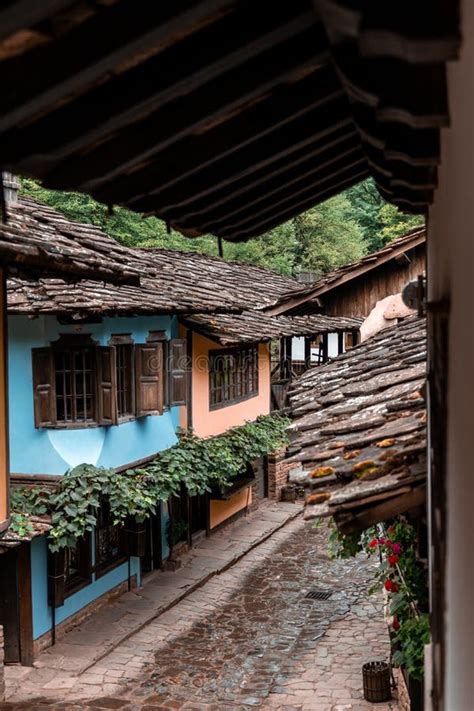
point(106, 386)
point(44, 387)
point(177, 372)
point(149, 378)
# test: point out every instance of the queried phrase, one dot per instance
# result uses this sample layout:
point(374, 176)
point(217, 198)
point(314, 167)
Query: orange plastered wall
point(207, 422)
point(221, 510)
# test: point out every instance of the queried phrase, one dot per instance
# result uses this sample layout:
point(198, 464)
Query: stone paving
point(249, 638)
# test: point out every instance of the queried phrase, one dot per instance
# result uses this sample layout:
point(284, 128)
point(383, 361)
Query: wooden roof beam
point(218, 102)
point(25, 13)
point(266, 197)
point(71, 71)
point(287, 194)
point(298, 207)
point(216, 203)
point(217, 160)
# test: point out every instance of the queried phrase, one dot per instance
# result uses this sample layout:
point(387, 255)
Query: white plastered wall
point(451, 273)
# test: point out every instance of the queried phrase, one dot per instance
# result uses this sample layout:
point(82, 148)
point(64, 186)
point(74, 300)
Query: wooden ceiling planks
point(164, 107)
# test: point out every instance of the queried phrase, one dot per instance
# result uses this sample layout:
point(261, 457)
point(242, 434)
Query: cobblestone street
point(248, 638)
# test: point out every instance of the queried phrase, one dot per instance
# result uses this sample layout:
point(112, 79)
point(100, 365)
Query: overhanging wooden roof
point(304, 300)
point(226, 116)
point(359, 429)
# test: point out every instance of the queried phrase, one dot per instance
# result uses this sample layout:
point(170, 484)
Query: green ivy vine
point(197, 463)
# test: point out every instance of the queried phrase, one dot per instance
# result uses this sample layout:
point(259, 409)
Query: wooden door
point(16, 615)
point(10, 606)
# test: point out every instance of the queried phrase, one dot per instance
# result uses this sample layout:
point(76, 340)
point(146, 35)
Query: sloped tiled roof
point(293, 302)
point(253, 326)
point(171, 281)
point(359, 429)
point(36, 240)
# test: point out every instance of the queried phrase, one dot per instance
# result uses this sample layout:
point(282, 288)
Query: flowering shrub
point(403, 576)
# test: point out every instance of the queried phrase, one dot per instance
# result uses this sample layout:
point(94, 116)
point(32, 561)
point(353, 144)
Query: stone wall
point(403, 698)
point(278, 470)
point(2, 668)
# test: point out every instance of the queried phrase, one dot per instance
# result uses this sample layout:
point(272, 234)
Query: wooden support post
point(340, 342)
point(307, 352)
point(325, 347)
point(282, 358)
point(288, 356)
point(4, 458)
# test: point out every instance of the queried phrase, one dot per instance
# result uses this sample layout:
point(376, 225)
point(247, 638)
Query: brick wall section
point(2, 668)
point(278, 470)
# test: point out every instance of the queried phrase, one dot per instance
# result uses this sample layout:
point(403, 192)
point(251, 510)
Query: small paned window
point(75, 385)
point(233, 376)
point(108, 553)
point(124, 369)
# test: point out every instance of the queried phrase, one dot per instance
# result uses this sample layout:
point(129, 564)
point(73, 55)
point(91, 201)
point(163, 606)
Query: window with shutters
point(233, 376)
point(75, 385)
point(78, 383)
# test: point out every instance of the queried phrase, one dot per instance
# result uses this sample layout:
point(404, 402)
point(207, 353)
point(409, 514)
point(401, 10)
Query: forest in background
point(336, 232)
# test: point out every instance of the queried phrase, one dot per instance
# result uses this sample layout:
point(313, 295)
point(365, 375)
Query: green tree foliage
point(379, 221)
point(328, 236)
point(339, 231)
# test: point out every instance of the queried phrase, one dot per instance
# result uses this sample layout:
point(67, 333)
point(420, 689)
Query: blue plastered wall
point(50, 451)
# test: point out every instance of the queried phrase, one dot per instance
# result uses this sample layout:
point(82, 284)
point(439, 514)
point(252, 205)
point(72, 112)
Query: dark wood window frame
point(238, 369)
point(81, 575)
point(107, 535)
point(123, 344)
point(141, 369)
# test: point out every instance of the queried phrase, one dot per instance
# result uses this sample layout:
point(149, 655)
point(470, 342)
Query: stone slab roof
point(359, 429)
point(36, 240)
point(171, 281)
point(253, 326)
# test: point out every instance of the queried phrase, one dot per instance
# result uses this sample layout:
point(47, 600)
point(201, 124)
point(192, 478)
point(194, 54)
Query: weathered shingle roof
point(37, 240)
point(306, 298)
point(364, 415)
point(171, 281)
point(253, 326)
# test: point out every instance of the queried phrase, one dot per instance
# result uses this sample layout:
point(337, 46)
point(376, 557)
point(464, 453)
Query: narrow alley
point(249, 637)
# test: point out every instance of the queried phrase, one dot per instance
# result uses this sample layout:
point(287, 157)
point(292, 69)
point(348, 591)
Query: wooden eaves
point(223, 116)
point(306, 298)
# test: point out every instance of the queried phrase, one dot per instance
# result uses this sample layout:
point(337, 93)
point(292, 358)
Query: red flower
point(391, 530)
point(388, 585)
point(395, 623)
point(381, 541)
point(393, 560)
point(373, 543)
point(396, 547)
